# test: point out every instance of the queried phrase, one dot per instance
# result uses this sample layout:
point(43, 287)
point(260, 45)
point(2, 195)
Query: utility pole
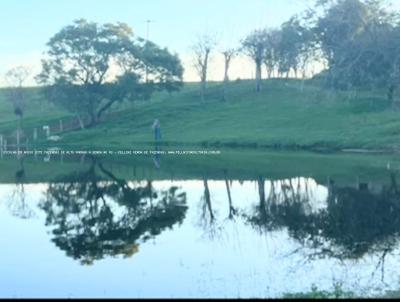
point(147, 40)
point(148, 29)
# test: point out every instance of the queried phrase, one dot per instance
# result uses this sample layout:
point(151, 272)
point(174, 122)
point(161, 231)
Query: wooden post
point(47, 130)
point(35, 134)
point(18, 139)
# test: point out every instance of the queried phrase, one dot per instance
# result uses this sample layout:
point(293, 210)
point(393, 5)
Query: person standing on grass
point(157, 130)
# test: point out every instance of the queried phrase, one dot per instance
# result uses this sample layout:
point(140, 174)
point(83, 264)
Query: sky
point(27, 25)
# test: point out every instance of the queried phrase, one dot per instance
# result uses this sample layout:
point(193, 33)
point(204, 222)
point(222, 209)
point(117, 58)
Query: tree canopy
point(90, 66)
point(357, 40)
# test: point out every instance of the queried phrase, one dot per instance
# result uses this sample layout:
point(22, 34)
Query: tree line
point(89, 67)
point(357, 42)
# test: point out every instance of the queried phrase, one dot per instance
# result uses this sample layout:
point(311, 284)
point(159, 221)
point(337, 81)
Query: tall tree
point(83, 57)
point(271, 58)
point(228, 54)
point(295, 46)
point(16, 78)
point(202, 49)
point(254, 45)
point(360, 42)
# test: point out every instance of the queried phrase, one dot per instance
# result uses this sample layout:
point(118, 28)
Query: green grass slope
point(284, 114)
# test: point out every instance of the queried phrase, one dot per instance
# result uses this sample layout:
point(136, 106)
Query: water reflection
point(93, 218)
point(17, 203)
point(349, 224)
point(98, 215)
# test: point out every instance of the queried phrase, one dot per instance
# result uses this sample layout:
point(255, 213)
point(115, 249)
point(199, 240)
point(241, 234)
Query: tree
point(15, 78)
point(228, 54)
point(360, 42)
point(295, 46)
point(82, 58)
point(271, 58)
point(202, 51)
point(254, 46)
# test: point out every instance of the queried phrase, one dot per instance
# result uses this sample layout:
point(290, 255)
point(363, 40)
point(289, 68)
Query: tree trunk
point(261, 193)
point(93, 119)
point(226, 81)
point(390, 94)
point(81, 123)
point(207, 197)
point(225, 90)
point(204, 76)
point(228, 57)
point(203, 90)
point(104, 108)
point(258, 76)
point(270, 71)
point(228, 190)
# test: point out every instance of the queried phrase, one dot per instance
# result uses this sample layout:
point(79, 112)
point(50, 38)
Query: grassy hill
point(285, 114)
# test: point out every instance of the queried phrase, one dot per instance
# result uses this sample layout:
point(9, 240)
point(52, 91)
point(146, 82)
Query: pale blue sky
point(26, 25)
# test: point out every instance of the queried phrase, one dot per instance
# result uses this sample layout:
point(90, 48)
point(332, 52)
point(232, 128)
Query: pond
point(96, 232)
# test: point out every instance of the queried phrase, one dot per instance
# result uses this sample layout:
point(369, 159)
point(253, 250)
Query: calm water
point(83, 236)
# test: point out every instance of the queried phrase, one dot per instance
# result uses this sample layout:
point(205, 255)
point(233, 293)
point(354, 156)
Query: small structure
point(54, 138)
point(47, 130)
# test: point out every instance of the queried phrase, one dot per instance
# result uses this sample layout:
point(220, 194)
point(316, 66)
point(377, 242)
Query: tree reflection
point(232, 209)
point(356, 221)
point(93, 218)
point(208, 220)
point(17, 203)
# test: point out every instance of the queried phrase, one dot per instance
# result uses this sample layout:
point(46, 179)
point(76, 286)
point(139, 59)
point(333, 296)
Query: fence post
point(46, 128)
point(18, 140)
point(35, 134)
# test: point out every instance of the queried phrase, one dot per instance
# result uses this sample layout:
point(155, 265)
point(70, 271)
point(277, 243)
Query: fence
point(28, 136)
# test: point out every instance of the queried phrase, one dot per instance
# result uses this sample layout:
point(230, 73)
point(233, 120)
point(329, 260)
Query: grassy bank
point(285, 114)
point(344, 169)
